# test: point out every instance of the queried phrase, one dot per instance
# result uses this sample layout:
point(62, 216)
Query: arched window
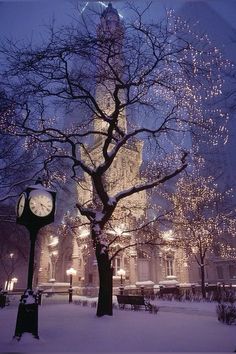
point(116, 263)
point(143, 265)
point(169, 265)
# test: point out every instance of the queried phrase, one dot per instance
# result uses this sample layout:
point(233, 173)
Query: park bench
point(136, 301)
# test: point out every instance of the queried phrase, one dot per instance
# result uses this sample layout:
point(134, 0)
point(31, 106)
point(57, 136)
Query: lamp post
point(70, 272)
point(35, 209)
point(9, 269)
point(121, 273)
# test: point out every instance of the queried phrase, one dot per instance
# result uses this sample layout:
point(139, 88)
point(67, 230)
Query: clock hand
point(45, 206)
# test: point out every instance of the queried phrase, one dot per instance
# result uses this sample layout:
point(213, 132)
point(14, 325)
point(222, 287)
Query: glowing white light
point(84, 233)
point(53, 241)
point(84, 7)
point(121, 272)
point(102, 3)
point(119, 231)
point(168, 235)
point(71, 271)
point(9, 285)
point(194, 249)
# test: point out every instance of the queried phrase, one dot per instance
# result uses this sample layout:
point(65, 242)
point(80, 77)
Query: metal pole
point(27, 316)
point(70, 289)
point(70, 280)
point(33, 236)
point(70, 294)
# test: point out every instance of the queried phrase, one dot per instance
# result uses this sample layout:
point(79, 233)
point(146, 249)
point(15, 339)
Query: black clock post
point(35, 209)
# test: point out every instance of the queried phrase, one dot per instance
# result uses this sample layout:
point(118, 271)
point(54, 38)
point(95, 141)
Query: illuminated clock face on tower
point(40, 203)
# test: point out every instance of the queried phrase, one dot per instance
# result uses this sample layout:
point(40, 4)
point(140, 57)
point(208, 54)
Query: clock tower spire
point(110, 33)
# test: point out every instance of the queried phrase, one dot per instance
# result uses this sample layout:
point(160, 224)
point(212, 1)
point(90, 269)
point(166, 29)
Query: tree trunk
point(105, 285)
point(202, 269)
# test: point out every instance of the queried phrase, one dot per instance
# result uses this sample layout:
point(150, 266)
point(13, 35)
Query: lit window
point(169, 265)
point(116, 265)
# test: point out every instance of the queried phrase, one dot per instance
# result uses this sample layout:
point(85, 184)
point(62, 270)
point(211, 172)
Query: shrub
point(226, 313)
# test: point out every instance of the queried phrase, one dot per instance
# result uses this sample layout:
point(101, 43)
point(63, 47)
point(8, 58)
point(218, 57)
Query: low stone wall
point(86, 291)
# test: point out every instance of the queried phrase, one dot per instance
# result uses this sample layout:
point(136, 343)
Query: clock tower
point(74, 250)
point(125, 169)
point(65, 247)
point(110, 32)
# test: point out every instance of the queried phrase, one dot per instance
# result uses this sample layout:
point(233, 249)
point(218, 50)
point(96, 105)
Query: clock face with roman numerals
point(41, 203)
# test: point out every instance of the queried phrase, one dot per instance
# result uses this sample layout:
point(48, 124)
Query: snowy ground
point(177, 327)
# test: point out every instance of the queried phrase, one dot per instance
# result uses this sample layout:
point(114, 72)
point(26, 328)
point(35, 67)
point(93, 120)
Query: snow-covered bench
point(136, 301)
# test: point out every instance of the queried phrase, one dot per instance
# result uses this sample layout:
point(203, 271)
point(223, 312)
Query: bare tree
point(203, 219)
point(18, 165)
point(127, 85)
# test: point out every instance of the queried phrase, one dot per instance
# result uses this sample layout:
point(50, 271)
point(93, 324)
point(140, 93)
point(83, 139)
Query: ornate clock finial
point(43, 180)
point(39, 180)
